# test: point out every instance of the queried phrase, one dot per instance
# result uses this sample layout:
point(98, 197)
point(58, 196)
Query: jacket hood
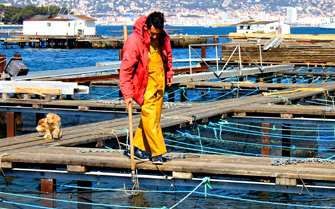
point(138, 26)
point(142, 34)
point(139, 30)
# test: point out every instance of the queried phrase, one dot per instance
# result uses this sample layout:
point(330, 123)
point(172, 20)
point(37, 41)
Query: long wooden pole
point(131, 134)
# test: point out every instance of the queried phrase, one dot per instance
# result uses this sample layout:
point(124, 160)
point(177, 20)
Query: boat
point(328, 26)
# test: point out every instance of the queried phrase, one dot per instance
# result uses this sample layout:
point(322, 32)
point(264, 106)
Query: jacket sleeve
point(128, 66)
point(169, 73)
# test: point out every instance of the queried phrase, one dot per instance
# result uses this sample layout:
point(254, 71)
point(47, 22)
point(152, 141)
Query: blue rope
point(250, 93)
point(295, 128)
point(263, 202)
point(108, 94)
point(220, 151)
point(208, 92)
point(22, 204)
point(71, 201)
point(235, 89)
point(202, 149)
point(254, 144)
point(273, 135)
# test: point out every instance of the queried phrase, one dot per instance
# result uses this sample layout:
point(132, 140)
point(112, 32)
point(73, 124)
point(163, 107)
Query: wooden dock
point(297, 49)
point(32, 150)
point(96, 41)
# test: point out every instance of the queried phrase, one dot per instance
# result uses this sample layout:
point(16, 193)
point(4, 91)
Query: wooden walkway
point(32, 149)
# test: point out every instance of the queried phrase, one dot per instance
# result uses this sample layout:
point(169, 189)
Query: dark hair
point(155, 19)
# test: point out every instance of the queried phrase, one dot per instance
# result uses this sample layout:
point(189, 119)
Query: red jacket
point(134, 67)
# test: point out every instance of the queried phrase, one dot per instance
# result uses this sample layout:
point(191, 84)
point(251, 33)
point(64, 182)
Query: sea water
point(44, 59)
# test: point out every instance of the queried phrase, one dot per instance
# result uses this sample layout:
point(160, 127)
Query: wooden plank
point(223, 165)
point(285, 115)
point(286, 181)
point(76, 168)
point(37, 91)
point(265, 138)
point(6, 165)
point(181, 175)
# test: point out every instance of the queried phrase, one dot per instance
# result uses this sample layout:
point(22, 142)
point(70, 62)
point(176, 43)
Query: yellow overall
point(149, 136)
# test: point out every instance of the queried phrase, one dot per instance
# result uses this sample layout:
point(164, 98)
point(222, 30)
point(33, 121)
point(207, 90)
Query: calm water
point(53, 59)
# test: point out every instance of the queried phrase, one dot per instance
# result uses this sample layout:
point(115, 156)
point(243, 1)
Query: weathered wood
point(76, 168)
point(240, 114)
point(11, 124)
point(286, 181)
point(265, 138)
point(6, 165)
point(37, 91)
point(48, 187)
point(181, 175)
point(285, 115)
point(198, 163)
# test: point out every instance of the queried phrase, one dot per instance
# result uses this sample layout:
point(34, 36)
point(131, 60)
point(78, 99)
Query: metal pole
point(260, 53)
point(217, 58)
point(132, 159)
point(189, 52)
point(239, 56)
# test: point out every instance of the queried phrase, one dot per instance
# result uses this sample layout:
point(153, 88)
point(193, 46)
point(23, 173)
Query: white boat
point(328, 26)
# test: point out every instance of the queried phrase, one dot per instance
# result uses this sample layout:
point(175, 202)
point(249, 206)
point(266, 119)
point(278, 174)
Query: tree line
point(16, 15)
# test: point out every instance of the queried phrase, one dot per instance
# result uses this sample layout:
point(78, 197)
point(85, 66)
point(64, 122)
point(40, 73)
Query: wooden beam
point(37, 91)
point(11, 124)
point(240, 114)
point(48, 187)
point(6, 165)
point(76, 168)
point(182, 175)
point(265, 139)
point(286, 181)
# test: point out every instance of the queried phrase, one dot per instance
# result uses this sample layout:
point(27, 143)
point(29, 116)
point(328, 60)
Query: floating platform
point(307, 50)
point(96, 41)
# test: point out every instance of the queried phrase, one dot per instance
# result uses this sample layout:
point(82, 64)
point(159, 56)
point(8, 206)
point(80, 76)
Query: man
point(145, 70)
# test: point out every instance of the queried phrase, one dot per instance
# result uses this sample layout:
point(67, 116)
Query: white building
point(275, 27)
point(291, 15)
point(262, 15)
point(60, 25)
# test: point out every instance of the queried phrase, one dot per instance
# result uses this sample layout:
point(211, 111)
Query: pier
point(94, 41)
point(79, 155)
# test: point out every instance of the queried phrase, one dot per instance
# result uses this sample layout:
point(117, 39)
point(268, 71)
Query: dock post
point(286, 152)
point(203, 51)
point(84, 194)
point(48, 189)
point(125, 32)
point(2, 63)
point(265, 139)
point(11, 124)
point(120, 54)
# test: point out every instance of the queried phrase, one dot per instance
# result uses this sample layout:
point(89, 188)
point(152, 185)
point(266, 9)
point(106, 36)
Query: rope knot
point(206, 181)
point(274, 128)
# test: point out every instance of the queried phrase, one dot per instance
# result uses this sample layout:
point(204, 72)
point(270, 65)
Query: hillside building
point(60, 25)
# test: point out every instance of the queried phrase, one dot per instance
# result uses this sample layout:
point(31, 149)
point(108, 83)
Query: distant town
point(208, 13)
